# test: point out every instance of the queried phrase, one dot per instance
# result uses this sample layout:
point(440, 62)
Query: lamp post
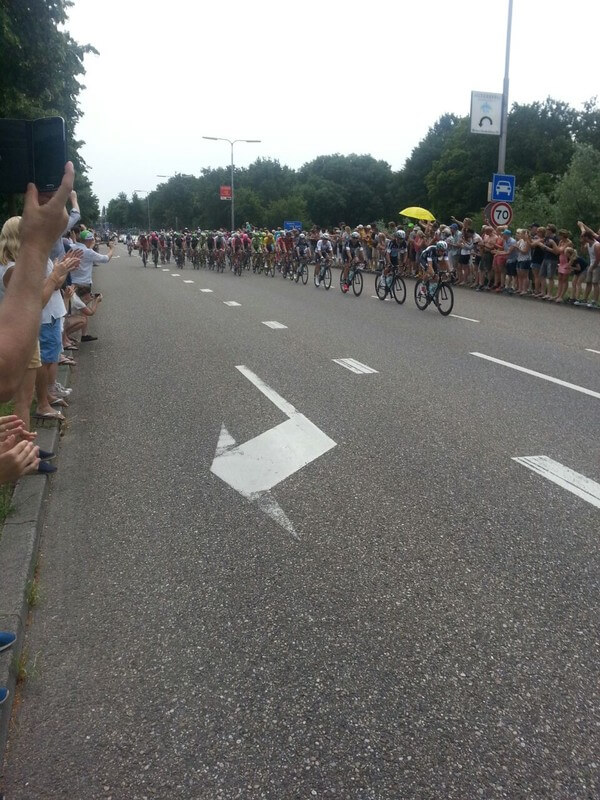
point(147, 193)
point(231, 142)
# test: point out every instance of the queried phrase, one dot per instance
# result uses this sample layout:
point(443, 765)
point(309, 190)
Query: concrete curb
point(19, 548)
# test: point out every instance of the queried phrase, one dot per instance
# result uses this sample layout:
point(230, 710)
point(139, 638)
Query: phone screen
point(14, 156)
point(49, 153)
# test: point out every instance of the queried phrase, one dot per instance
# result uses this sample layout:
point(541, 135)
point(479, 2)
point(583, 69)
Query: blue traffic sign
point(289, 225)
point(503, 188)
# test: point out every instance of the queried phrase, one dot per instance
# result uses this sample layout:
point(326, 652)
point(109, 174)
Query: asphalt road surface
point(366, 598)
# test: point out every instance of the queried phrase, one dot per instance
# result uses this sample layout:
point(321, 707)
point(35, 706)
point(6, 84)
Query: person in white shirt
point(82, 276)
point(83, 306)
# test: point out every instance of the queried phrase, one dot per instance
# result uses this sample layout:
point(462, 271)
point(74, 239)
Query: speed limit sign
point(501, 214)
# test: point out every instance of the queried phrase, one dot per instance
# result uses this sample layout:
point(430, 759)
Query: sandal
point(68, 361)
point(54, 415)
point(59, 401)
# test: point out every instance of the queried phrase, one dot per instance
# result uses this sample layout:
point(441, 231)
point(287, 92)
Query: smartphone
point(32, 151)
point(49, 145)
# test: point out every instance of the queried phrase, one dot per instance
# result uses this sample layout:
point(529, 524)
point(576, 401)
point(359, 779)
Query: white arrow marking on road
point(556, 472)
point(256, 466)
point(589, 349)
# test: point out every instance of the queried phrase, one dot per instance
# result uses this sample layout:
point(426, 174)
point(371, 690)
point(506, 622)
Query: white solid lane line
point(206, 290)
point(468, 319)
point(231, 303)
point(354, 366)
point(589, 349)
point(188, 281)
point(574, 386)
point(274, 324)
point(563, 476)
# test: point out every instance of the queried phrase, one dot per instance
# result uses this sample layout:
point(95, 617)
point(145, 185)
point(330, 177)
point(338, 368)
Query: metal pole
point(232, 198)
point(502, 145)
point(148, 204)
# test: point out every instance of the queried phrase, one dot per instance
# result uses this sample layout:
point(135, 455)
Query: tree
point(118, 212)
point(41, 65)
point(578, 190)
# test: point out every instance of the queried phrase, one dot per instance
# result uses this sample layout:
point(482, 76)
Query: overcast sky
point(307, 78)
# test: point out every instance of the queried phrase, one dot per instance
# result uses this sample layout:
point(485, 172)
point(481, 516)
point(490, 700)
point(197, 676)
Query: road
point(416, 616)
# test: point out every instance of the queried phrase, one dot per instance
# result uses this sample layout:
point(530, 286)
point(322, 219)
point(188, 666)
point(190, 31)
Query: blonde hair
point(10, 240)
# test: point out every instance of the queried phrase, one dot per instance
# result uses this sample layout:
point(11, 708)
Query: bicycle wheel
point(380, 288)
point(327, 278)
point(304, 274)
point(357, 283)
point(444, 299)
point(399, 290)
point(421, 296)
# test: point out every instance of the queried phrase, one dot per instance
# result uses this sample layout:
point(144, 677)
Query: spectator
point(565, 260)
point(18, 454)
point(592, 276)
point(82, 276)
point(9, 250)
point(7, 639)
point(84, 305)
point(537, 256)
point(40, 226)
point(549, 264)
point(523, 261)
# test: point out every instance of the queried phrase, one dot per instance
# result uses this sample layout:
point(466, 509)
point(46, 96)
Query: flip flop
point(59, 401)
point(68, 361)
point(55, 415)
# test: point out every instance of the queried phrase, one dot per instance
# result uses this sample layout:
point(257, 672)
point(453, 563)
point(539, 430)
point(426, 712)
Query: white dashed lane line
point(188, 281)
point(175, 275)
point(231, 303)
point(589, 349)
point(468, 319)
point(563, 476)
point(354, 366)
point(206, 290)
point(274, 324)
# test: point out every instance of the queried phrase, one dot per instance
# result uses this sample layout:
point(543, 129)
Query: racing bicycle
point(437, 290)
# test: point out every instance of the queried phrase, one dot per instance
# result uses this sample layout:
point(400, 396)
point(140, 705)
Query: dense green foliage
point(41, 64)
point(553, 149)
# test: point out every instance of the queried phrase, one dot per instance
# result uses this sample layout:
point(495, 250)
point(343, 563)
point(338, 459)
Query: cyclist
point(154, 243)
point(168, 245)
point(235, 243)
point(355, 253)
point(395, 256)
point(433, 260)
point(178, 241)
point(194, 250)
point(302, 251)
point(323, 253)
point(143, 247)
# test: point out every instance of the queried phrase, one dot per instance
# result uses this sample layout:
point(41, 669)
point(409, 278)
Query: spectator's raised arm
point(20, 310)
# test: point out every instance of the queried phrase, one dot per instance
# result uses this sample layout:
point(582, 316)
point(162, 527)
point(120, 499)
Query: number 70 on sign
point(501, 214)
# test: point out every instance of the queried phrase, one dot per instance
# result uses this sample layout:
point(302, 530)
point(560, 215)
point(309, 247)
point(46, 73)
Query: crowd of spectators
point(538, 261)
point(46, 260)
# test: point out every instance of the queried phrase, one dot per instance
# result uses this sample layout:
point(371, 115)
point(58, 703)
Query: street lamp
point(147, 193)
point(231, 142)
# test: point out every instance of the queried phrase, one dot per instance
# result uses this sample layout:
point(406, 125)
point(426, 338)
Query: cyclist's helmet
point(302, 236)
point(355, 235)
point(441, 246)
point(325, 236)
point(400, 234)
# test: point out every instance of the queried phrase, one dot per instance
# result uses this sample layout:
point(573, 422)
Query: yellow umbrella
point(417, 213)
